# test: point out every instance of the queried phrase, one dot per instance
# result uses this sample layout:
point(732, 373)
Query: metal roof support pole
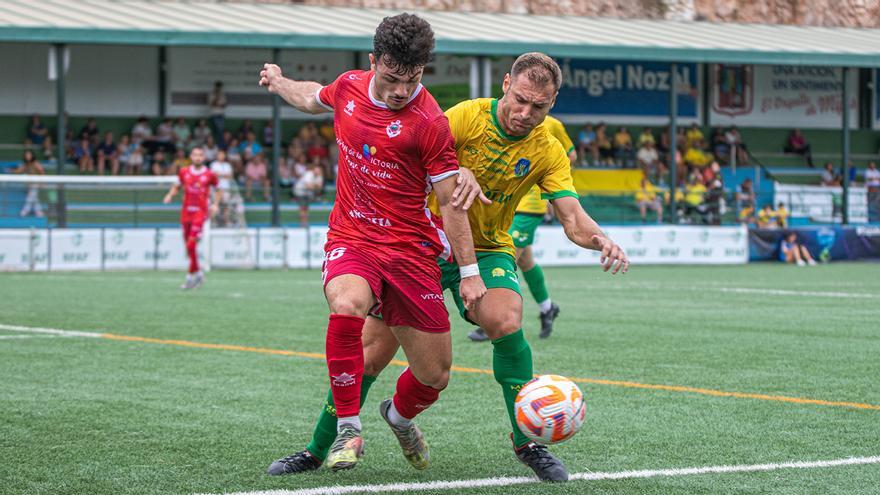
point(673, 113)
point(845, 145)
point(474, 80)
point(163, 80)
point(276, 147)
point(486, 78)
point(61, 108)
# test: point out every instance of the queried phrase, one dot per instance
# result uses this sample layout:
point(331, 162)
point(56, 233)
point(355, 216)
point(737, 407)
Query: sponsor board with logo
point(76, 249)
point(168, 251)
point(24, 249)
point(272, 248)
point(821, 203)
point(127, 249)
point(650, 245)
point(233, 248)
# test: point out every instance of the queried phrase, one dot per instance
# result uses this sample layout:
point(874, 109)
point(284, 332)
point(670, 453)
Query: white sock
point(354, 421)
point(545, 305)
point(395, 417)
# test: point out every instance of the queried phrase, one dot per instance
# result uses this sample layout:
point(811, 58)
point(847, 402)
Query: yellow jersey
point(648, 194)
point(532, 204)
point(506, 167)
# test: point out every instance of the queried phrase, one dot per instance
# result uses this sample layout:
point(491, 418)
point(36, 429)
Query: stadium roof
point(309, 27)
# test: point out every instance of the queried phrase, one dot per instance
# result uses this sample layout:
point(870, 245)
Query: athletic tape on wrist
point(469, 270)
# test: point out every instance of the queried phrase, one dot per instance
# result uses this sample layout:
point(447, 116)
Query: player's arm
point(458, 231)
point(171, 193)
point(215, 205)
point(300, 94)
point(585, 232)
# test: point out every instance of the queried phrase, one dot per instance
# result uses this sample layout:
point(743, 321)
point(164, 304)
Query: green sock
point(325, 429)
point(512, 364)
point(535, 281)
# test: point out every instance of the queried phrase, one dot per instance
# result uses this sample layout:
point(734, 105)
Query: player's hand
point(471, 289)
point(167, 199)
point(213, 211)
point(269, 77)
point(467, 189)
point(612, 255)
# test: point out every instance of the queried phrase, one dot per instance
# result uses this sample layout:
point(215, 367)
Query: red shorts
point(192, 226)
point(407, 287)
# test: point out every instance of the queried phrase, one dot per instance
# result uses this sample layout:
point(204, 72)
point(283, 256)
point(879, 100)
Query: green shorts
point(523, 228)
point(497, 269)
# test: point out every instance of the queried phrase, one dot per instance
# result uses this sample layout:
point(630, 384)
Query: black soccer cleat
point(545, 465)
point(478, 335)
point(295, 463)
point(547, 320)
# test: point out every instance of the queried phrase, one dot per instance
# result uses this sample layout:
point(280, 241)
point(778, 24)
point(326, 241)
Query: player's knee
point(350, 307)
point(503, 322)
point(438, 379)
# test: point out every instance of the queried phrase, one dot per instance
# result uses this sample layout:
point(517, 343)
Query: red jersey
point(196, 191)
point(388, 160)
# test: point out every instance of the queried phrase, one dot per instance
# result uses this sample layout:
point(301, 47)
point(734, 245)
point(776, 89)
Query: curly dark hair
point(404, 43)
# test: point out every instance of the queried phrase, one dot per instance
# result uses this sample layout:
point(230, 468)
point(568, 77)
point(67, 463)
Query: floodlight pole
point(673, 113)
point(845, 146)
point(276, 147)
point(61, 157)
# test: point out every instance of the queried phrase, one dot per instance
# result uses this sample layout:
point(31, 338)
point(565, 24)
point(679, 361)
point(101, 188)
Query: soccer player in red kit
point(380, 258)
point(196, 181)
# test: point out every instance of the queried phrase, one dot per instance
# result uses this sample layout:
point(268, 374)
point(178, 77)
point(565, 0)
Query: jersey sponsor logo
point(354, 77)
point(394, 128)
point(343, 380)
point(382, 222)
point(369, 151)
point(498, 196)
point(349, 108)
point(432, 297)
point(522, 167)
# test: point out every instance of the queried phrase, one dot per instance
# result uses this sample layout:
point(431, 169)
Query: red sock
point(191, 244)
point(345, 360)
point(412, 396)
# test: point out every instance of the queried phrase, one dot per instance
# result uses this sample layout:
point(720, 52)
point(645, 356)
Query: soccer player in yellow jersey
point(505, 144)
point(529, 213)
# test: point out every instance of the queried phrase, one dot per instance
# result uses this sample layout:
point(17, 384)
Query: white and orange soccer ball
point(550, 409)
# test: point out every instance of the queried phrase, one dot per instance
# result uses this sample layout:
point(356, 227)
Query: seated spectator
point(37, 132)
point(872, 182)
point(606, 151)
point(164, 139)
point(70, 143)
point(781, 215)
point(798, 145)
point(587, 144)
point(711, 173)
point(623, 148)
point(233, 154)
point(647, 199)
point(307, 189)
point(649, 160)
point(225, 139)
point(82, 155)
point(159, 163)
point(250, 148)
point(791, 251)
point(256, 171)
point(91, 130)
point(872, 176)
point(180, 162)
point(48, 149)
point(692, 135)
point(223, 170)
point(739, 147)
point(767, 217)
point(268, 134)
point(30, 166)
point(318, 150)
point(715, 203)
point(326, 132)
point(107, 151)
point(182, 134)
point(141, 132)
point(646, 136)
point(201, 133)
point(720, 146)
point(296, 163)
point(247, 127)
point(695, 199)
point(829, 177)
point(125, 151)
point(210, 148)
point(696, 157)
point(745, 202)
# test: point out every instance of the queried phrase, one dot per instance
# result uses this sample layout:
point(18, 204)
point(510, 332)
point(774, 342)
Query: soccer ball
point(550, 409)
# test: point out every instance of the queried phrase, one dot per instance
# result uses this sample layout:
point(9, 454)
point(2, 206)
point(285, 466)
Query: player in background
point(196, 181)
point(504, 144)
point(528, 217)
point(382, 246)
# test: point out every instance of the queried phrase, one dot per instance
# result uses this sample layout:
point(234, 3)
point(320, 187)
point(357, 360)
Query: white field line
point(804, 293)
point(9, 337)
point(732, 290)
point(52, 331)
point(508, 481)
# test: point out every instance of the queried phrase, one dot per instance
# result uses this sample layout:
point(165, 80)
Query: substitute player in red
point(395, 146)
point(197, 181)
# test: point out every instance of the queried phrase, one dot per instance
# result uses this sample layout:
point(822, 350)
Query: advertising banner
point(821, 203)
point(780, 96)
point(24, 250)
point(129, 249)
point(76, 249)
point(824, 243)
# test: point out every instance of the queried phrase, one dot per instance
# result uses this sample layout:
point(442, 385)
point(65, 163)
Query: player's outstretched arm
point(171, 193)
point(458, 231)
point(299, 94)
point(585, 232)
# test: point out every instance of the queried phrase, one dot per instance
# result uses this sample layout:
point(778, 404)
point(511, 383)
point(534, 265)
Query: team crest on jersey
point(394, 128)
point(497, 272)
point(522, 167)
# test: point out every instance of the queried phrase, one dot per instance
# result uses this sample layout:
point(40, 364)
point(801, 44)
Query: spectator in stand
point(107, 150)
point(250, 147)
point(246, 128)
point(141, 132)
point(720, 146)
point(165, 136)
point(696, 157)
point(256, 171)
point(606, 151)
point(307, 189)
point(587, 144)
point(70, 144)
point(318, 151)
point(739, 147)
point(767, 217)
point(745, 202)
point(201, 132)
point(82, 155)
point(781, 215)
point(48, 149)
point(37, 131)
point(182, 134)
point(715, 204)
point(647, 199)
point(217, 104)
point(223, 170)
point(623, 148)
point(692, 135)
point(159, 163)
point(646, 136)
point(233, 154)
point(791, 251)
point(649, 160)
point(664, 143)
point(798, 145)
point(91, 130)
point(268, 135)
point(711, 173)
point(225, 139)
point(872, 176)
point(296, 163)
point(872, 182)
point(124, 151)
point(829, 177)
point(180, 162)
point(210, 148)
point(30, 166)
point(695, 199)
point(326, 131)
